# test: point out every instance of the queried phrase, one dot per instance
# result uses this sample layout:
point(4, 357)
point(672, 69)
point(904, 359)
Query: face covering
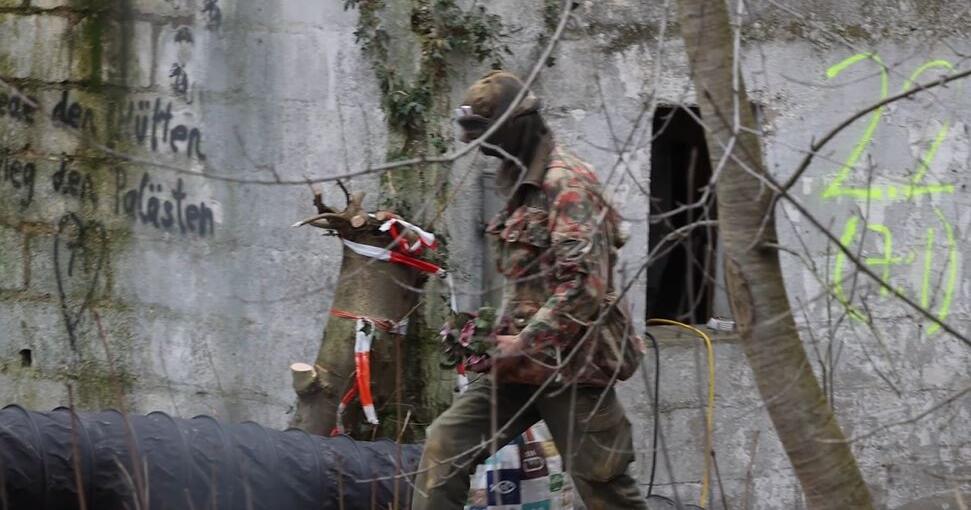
point(512, 136)
point(521, 135)
point(485, 102)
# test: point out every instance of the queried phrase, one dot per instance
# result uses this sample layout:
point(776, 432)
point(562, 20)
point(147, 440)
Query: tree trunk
point(806, 425)
point(368, 288)
point(364, 287)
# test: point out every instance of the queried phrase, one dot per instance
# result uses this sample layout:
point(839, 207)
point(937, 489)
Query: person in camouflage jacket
point(563, 338)
point(557, 246)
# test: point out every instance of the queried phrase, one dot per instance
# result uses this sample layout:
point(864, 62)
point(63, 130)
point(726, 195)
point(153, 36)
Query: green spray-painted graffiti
point(888, 260)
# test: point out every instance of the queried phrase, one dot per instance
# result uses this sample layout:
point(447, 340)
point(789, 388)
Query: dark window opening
point(26, 358)
point(680, 280)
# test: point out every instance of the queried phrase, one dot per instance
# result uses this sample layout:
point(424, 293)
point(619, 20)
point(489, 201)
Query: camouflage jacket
point(556, 243)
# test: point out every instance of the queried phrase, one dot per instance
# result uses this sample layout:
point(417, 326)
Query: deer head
point(352, 221)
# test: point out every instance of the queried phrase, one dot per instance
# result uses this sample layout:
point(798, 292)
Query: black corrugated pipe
point(53, 461)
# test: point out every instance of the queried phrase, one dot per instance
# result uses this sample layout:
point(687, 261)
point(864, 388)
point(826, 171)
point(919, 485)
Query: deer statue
point(371, 306)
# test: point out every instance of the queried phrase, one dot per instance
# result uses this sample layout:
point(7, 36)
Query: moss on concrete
point(6, 65)
point(853, 33)
point(93, 384)
point(101, 31)
point(93, 32)
point(97, 387)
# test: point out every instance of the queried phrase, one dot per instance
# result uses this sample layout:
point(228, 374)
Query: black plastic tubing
point(56, 460)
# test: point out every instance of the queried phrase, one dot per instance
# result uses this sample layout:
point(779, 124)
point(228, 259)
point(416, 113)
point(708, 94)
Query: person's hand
point(510, 359)
point(505, 357)
point(508, 345)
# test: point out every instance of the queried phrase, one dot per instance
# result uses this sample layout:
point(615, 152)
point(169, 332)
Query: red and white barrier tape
point(425, 239)
point(379, 253)
point(364, 338)
point(362, 364)
point(341, 407)
point(386, 325)
point(364, 328)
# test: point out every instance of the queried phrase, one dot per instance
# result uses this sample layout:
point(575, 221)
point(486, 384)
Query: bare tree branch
point(914, 419)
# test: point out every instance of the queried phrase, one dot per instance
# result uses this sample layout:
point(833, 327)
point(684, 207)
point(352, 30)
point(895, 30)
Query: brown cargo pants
point(592, 435)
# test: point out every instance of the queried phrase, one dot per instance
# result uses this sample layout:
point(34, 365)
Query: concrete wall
point(203, 315)
point(204, 292)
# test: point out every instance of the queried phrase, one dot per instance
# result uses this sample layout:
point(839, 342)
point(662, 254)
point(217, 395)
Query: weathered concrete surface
point(206, 322)
point(195, 321)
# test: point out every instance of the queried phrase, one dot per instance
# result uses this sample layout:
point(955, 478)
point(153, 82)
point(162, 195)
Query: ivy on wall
point(551, 17)
point(443, 31)
point(415, 93)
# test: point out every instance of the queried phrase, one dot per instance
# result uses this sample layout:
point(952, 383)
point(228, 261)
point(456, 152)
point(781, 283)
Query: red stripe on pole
point(363, 362)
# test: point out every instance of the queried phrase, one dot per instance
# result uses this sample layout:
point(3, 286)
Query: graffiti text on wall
point(151, 204)
point(165, 205)
point(17, 177)
point(14, 106)
point(940, 292)
point(143, 121)
point(80, 249)
point(214, 15)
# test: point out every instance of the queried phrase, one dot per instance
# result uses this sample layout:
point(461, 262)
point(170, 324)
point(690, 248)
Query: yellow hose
point(710, 411)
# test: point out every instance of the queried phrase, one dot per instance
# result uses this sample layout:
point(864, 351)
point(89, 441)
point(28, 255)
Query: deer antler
point(347, 194)
point(328, 218)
